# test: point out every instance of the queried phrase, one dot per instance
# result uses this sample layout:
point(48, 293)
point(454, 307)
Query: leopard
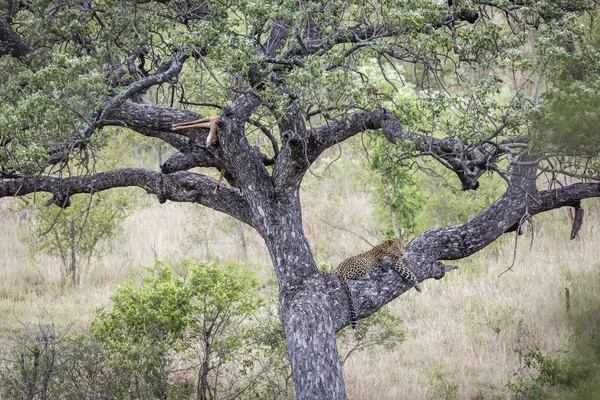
point(385, 255)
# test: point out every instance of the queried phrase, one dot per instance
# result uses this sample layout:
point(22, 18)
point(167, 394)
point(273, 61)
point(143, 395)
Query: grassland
point(461, 332)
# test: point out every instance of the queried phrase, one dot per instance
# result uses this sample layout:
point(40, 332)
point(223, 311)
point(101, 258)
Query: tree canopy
point(473, 87)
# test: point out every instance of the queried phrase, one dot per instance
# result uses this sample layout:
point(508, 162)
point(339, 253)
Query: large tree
point(503, 87)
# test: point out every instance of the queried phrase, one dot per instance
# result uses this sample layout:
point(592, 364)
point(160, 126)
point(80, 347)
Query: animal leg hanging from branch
point(576, 220)
point(208, 122)
point(220, 180)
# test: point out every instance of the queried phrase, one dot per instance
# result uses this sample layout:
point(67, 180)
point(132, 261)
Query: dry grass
point(461, 331)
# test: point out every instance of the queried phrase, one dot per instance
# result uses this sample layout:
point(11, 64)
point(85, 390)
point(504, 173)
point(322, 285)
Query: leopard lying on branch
point(385, 255)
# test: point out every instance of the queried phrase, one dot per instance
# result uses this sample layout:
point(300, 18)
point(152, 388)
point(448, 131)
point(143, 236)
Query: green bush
point(444, 386)
point(541, 376)
point(193, 327)
point(171, 337)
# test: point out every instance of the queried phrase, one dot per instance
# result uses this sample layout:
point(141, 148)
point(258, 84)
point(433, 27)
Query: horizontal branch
point(187, 186)
point(200, 157)
point(423, 254)
point(153, 121)
point(179, 186)
point(467, 161)
point(146, 119)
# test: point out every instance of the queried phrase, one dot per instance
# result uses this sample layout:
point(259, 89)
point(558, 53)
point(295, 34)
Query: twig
point(346, 230)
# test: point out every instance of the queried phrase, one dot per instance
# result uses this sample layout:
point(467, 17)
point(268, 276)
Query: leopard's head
point(396, 245)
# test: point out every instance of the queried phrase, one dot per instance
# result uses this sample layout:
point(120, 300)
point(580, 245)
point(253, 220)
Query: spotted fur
point(385, 255)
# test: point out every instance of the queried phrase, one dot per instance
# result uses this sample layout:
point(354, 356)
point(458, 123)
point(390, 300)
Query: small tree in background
point(74, 234)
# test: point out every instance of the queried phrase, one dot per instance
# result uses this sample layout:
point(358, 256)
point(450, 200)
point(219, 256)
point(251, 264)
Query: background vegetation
point(475, 334)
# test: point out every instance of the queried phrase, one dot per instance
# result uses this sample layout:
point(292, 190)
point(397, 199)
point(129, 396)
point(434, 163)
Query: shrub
point(73, 234)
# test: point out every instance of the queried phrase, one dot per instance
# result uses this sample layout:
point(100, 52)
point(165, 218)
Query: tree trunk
point(72, 272)
point(304, 303)
point(311, 342)
point(203, 388)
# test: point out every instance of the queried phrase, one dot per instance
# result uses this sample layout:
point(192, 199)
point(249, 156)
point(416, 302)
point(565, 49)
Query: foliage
point(444, 387)
point(545, 372)
point(541, 376)
point(398, 199)
point(380, 329)
point(568, 116)
point(74, 234)
point(197, 320)
point(164, 339)
point(444, 205)
point(410, 201)
point(87, 54)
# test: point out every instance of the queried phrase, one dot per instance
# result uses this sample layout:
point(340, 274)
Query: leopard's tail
point(353, 316)
point(417, 286)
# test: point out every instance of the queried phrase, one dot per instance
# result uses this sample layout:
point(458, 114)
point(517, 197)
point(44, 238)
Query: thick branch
point(423, 253)
point(180, 186)
point(201, 157)
point(192, 187)
point(153, 121)
point(11, 42)
point(467, 162)
point(243, 107)
point(278, 35)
